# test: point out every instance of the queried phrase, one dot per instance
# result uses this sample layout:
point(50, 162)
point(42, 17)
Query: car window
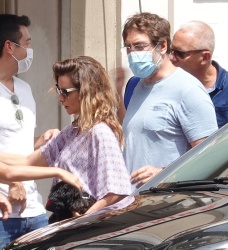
point(206, 161)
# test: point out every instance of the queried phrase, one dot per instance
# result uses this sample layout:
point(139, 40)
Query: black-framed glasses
point(136, 47)
point(64, 92)
point(182, 54)
point(18, 115)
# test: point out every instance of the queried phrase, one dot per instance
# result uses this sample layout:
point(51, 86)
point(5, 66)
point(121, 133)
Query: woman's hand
point(69, 178)
point(143, 174)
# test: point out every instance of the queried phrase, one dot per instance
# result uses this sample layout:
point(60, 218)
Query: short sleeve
point(197, 114)
point(51, 150)
point(108, 173)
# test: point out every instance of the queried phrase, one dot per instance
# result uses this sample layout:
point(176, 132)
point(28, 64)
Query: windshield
point(206, 161)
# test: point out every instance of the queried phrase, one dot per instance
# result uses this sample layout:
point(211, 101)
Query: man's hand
point(17, 195)
point(5, 206)
point(45, 137)
point(143, 174)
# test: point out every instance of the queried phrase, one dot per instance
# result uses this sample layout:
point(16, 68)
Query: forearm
point(12, 174)
point(13, 159)
point(5, 180)
point(24, 173)
point(109, 199)
point(35, 159)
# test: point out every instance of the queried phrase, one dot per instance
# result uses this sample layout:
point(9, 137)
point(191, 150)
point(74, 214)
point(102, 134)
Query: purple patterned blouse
point(94, 156)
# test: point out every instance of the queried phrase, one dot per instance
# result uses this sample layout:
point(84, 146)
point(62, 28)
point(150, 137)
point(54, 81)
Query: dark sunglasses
point(18, 115)
point(182, 54)
point(64, 92)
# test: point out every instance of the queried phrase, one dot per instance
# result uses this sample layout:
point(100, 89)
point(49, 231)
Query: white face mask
point(24, 64)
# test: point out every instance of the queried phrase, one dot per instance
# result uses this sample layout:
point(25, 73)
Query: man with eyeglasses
point(192, 49)
point(162, 121)
point(17, 125)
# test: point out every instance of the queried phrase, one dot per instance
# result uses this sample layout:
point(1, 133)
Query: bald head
point(192, 48)
point(200, 33)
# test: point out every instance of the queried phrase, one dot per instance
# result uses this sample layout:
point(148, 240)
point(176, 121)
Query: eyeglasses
point(19, 45)
point(182, 54)
point(18, 115)
point(136, 47)
point(64, 92)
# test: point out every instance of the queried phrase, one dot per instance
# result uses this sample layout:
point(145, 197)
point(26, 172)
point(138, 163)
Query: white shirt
point(17, 137)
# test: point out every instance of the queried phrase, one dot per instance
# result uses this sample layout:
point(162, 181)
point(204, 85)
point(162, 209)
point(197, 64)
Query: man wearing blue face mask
point(141, 62)
point(17, 124)
point(162, 120)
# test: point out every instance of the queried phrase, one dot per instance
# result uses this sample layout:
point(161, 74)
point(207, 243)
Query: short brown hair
point(157, 28)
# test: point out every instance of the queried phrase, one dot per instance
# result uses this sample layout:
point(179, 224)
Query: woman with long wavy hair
point(90, 147)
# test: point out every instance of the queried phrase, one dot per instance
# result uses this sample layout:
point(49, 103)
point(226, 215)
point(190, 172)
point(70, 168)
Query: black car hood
point(214, 236)
point(153, 215)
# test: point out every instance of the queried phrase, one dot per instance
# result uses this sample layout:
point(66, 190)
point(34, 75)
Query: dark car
point(214, 236)
point(190, 194)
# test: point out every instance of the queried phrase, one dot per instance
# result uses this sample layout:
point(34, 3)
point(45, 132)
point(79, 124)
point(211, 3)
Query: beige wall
point(61, 29)
point(94, 30)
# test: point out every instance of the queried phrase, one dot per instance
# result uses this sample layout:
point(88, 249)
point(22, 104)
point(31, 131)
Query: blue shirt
point(220, 95)
point(163, 118)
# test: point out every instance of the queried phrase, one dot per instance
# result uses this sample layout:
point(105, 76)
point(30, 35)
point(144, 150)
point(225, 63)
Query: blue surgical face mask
point(141, 63)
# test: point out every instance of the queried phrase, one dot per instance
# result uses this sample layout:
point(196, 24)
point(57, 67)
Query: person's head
point(85, 91)
point(15, 40)
point(192, 46)
point(146, 38)
point(64, 198)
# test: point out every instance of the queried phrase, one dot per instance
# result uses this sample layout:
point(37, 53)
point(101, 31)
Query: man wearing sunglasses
point(17, 125)
point(192, 49)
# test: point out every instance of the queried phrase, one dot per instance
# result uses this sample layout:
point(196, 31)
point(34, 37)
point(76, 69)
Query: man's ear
point(206, 55)
point(163, 47)
point(8, 47)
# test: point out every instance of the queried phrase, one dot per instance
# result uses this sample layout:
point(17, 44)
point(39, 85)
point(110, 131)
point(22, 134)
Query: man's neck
point(209, 76)
point(8, 82)
point(6, 77)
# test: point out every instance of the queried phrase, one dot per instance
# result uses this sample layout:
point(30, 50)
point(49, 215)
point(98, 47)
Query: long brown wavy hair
point(97, 95)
